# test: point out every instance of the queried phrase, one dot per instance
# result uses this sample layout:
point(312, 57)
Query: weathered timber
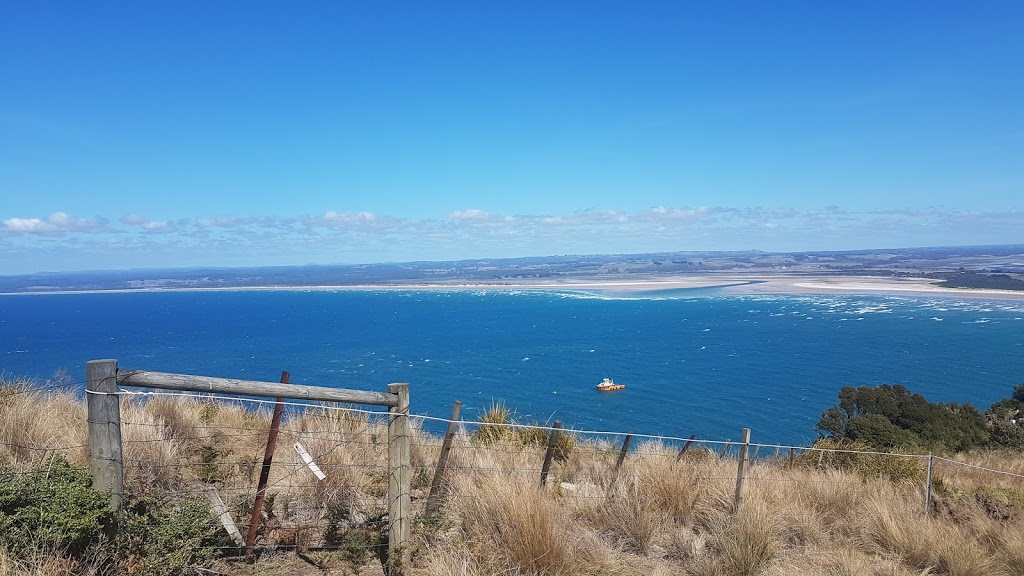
point(225, 517)
point(104, 413)
point(928, 488)
point(549, 455)
point(166, 381)
point(686, 447)
point(623, 451)
point(399, 482)
point(741, 471)
point(442, 461)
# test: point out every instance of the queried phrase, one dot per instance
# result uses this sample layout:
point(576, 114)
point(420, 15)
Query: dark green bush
point(157, 537)
point(54, 511)
point(51, 509)
point(888, 417)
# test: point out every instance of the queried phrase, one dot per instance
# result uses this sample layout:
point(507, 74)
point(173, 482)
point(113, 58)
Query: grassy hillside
point(825, 513)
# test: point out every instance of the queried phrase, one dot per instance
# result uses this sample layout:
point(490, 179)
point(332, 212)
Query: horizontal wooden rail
point(166, 381)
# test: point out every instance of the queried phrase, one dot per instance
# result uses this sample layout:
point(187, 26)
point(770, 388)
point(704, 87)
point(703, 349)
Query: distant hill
point(968, 266)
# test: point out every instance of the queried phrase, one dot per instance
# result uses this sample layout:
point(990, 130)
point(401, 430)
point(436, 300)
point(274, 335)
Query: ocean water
point(694, 362)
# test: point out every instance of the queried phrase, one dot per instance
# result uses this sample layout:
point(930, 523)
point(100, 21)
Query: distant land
point(987, 268)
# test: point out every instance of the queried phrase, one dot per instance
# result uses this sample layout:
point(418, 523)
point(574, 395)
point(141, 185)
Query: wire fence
point(328, 483)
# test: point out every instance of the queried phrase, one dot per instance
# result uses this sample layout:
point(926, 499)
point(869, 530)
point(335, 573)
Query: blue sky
point(163, 134)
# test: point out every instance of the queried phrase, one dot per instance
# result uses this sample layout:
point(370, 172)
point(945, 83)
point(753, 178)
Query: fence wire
point(180, 447)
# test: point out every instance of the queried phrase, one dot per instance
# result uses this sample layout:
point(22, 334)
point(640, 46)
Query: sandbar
point(720, 284)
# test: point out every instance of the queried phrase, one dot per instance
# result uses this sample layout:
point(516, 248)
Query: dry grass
point(40, 565)
point(26, 436)
point(742, 544)
point(513, 527)
point(655, 516)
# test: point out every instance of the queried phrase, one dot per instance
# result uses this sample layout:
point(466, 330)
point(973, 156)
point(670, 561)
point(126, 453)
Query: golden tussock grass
point(654, 516)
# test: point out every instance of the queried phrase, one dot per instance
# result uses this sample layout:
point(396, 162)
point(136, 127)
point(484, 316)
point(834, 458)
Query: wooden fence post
point(685, 447)
point(742, 469)
point(928, 488)
point(442, 460)
point(550, 454)
point(725, 448)
point(104, 413)
point(622, 453)
point(399, 482)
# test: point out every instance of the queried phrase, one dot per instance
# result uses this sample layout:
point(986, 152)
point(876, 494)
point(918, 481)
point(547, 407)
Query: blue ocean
point(693, 362)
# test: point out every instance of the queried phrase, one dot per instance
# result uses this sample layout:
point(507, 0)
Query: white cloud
point(367, 236)
point(471, 214)
point(133, 220)
point(155, 225)
point(222, 222)
point(27, 225)
point(349, 217)
point(55, 223)
point(680, 213)
point(145, 223)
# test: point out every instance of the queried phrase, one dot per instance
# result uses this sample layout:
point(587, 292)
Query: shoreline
point(726, 285)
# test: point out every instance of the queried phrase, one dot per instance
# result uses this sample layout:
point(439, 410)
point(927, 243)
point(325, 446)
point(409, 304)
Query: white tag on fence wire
point(309, 461)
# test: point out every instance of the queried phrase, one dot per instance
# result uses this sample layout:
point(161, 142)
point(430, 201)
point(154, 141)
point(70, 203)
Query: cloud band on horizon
point(63, 241)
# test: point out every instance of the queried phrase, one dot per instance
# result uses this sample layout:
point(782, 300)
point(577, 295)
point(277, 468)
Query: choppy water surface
point(703, 364)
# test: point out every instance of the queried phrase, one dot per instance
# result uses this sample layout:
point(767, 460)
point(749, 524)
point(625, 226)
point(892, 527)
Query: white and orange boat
point(608, 385)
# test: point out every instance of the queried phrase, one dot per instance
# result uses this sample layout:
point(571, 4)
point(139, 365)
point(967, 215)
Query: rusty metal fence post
point(268, 459)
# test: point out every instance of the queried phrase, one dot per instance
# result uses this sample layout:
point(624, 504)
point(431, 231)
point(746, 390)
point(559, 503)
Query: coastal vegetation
point(891, 417)
point(658, 514)
point(974, 279)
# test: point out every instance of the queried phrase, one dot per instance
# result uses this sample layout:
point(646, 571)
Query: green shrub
point(159, 538)
point(52, 509)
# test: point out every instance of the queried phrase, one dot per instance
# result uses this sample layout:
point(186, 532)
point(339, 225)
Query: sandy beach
point(725, 284)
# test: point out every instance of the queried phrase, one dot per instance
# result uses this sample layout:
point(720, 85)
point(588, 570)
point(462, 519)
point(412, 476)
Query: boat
point(607, 384)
